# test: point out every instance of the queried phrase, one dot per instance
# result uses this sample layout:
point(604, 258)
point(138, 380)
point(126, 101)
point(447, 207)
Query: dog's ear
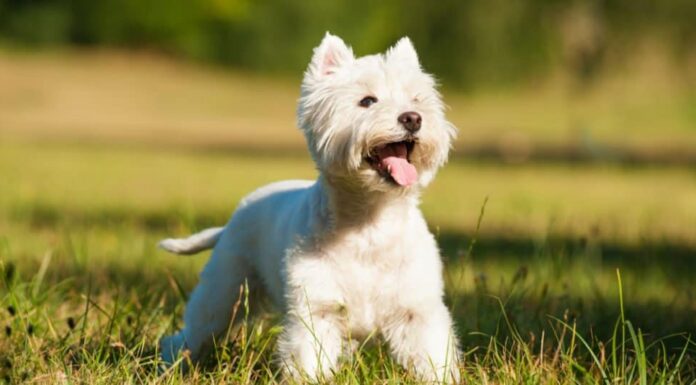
point(329, 55)
point(403, 52)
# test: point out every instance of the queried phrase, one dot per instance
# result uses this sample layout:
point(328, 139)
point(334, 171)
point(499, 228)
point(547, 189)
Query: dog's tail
point(204, 240)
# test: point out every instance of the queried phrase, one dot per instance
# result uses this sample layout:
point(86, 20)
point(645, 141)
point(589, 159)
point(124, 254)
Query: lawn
point(556, 273)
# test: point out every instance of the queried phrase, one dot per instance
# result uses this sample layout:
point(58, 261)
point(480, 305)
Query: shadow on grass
point(672, 258)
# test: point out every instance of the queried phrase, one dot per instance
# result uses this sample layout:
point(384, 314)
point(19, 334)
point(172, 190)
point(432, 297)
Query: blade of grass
point(639, 346)
point(587, 346)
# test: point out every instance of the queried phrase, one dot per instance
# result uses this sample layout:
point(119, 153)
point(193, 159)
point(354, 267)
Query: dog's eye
point(367, 101)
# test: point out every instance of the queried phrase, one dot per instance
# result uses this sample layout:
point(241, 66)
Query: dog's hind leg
point(203, 240)
point(209, 308)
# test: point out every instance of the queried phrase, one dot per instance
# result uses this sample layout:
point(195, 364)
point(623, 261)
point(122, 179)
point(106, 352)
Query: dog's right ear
point(328, 56)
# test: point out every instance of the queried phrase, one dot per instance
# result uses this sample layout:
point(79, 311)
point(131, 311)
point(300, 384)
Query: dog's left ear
point(403, 52)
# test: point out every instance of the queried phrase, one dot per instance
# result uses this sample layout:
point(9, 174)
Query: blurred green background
point(467, 43)
point(125, 121)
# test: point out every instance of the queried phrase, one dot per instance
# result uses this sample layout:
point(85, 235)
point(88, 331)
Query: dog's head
point(376, 121)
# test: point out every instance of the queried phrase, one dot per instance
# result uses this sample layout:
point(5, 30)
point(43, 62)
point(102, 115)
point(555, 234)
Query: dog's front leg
point(423, 340)
point(312, 337)
point(310, 346)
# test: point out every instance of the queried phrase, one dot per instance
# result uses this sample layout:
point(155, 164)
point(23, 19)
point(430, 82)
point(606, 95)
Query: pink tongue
point(403, 172)
point(394, 160)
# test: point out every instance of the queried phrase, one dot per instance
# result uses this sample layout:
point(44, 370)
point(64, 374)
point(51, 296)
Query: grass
point(573, 274)
point(97, 320)
point(91, 295)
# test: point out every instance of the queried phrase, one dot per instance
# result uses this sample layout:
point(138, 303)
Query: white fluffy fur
point(350, 253)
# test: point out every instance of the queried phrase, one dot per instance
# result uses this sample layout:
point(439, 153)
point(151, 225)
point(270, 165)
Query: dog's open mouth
point(392, 161)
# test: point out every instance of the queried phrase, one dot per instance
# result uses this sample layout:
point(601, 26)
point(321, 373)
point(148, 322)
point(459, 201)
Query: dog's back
point(264, 198)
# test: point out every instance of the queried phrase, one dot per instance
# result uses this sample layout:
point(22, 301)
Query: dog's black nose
point(411, 121)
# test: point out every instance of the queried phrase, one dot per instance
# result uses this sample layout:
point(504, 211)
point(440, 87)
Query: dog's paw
point(171, 347)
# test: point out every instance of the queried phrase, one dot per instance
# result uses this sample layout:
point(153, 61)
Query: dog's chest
point(368, 279)
point(366, 291)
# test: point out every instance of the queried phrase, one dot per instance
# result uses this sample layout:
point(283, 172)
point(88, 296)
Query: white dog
point(350, 253)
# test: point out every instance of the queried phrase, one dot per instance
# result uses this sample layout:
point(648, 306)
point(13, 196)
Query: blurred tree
point(468, 42)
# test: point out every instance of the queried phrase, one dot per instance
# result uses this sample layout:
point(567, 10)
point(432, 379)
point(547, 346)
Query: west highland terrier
point(349, 254)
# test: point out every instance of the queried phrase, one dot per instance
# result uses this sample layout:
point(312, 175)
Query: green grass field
point(572, 274)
